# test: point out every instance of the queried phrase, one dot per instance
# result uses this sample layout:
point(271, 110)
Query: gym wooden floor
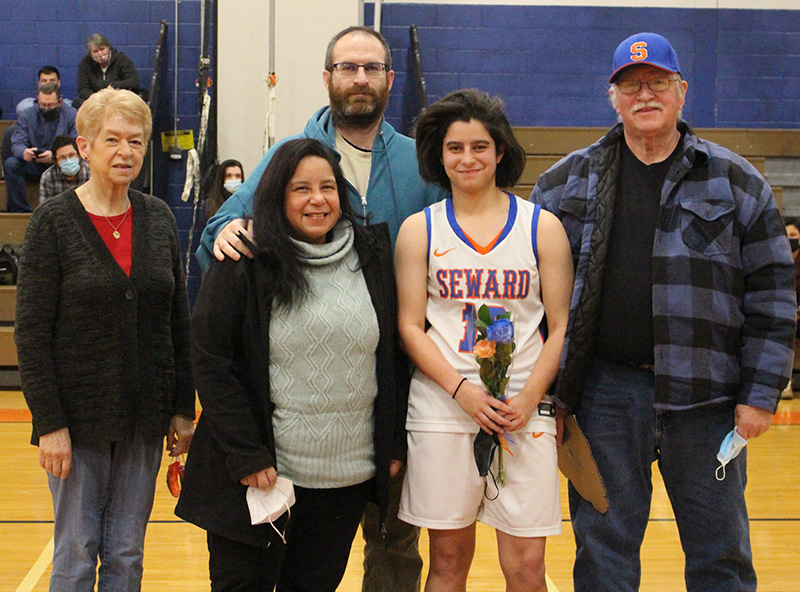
point(176, 555)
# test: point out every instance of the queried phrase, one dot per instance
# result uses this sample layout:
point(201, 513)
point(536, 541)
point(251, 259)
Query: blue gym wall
point(38, 32)
point(549, 63)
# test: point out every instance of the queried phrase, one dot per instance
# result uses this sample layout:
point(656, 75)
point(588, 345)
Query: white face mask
point(269, 505)
point(232, 185)
point(730, 448)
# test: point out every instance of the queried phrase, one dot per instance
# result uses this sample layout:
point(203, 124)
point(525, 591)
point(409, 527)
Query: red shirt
point(121, 248)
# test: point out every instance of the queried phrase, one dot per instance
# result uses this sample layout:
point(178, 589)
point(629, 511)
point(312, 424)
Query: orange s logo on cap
point(638, 51)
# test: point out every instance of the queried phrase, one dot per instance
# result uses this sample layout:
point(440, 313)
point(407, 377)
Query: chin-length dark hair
point(218, 194)
point(465, 105)
point(274, 249)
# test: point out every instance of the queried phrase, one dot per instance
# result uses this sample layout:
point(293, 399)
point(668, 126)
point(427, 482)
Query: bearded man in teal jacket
point(379, 163)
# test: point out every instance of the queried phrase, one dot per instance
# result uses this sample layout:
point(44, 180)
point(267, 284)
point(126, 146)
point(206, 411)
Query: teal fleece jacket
point(395, 188)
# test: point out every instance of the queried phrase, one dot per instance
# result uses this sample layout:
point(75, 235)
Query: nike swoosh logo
point(436, 252)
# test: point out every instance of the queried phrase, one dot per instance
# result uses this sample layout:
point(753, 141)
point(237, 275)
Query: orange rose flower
point(484, 349)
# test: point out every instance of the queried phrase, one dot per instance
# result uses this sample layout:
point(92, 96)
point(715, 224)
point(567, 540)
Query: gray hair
point(97, 40)
point(49, 88)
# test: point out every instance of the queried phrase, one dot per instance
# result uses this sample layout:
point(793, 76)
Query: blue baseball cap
point(645, 48)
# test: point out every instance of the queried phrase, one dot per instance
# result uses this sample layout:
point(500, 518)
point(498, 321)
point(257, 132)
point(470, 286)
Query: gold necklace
point(115, 233)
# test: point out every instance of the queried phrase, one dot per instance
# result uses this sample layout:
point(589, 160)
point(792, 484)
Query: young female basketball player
point(480, 246)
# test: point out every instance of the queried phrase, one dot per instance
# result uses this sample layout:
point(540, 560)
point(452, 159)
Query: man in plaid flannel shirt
point(69, 171)
point(680, 328)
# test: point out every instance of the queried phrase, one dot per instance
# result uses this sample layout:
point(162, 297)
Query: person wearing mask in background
point(46, 74)
point(104, 66)
point(227, 179)
point(383, 185)
point(30, 143)
point(679, 341)
point(69, 171)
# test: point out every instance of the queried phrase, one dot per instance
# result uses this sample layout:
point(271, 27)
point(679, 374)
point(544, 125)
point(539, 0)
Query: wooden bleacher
point(12, 230)
point(544, 146)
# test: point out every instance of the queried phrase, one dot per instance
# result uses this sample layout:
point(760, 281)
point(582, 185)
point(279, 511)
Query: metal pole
point(377, 23)
point(272, 80)
point(175, 114)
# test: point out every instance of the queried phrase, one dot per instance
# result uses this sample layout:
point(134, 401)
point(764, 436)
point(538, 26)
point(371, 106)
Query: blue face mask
point(730, 448)
point(70, 166)
point(232, 185)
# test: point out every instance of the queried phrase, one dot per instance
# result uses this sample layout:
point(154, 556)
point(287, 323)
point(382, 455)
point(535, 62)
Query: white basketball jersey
point(462, 276)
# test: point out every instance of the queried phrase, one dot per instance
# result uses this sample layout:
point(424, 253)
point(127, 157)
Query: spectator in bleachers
point(30, 143)
point(46, 74)
point(227, 179)
point(104, 66)
point(69, 170)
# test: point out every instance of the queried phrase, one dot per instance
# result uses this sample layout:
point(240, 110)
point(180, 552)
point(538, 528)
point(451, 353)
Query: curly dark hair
point(465, 105)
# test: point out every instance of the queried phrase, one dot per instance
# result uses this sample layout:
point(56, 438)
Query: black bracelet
point(463, 380)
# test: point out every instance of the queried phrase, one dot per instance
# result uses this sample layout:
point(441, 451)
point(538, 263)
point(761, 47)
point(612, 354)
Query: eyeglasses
point(350, 69)
point(631, 87)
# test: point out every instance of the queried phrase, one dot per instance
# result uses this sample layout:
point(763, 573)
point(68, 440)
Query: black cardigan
point(102, 353)
point(230, 357)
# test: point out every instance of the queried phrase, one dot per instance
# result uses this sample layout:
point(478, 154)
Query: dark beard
point(357, 114)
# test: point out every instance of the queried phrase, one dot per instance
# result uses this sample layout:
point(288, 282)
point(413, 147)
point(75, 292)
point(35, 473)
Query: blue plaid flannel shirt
point(723, 282)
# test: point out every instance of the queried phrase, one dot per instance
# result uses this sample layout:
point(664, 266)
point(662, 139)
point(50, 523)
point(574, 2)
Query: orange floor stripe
point(783, 417)
point(786, 417)
point(8, 415)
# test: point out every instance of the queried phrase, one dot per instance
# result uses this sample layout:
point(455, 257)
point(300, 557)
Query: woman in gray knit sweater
point(102, 333)
point(299, 372)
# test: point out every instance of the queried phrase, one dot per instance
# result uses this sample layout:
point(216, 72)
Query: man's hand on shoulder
point(751, 422)
point(228, 242)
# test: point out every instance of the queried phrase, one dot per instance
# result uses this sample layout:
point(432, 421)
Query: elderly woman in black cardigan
point(102, 333)
point(299, 371)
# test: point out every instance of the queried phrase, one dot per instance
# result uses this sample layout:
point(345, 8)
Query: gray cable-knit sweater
point(99, 352)
point(323, 407)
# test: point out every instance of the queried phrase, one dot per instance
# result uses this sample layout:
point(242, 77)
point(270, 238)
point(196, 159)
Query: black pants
point(323, 525)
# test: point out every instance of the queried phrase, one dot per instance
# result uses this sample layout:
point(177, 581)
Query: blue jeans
point(17, 171)
point(627, 435)
point(101, 511)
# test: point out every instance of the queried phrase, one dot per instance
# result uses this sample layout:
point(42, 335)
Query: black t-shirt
point(625, 325)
